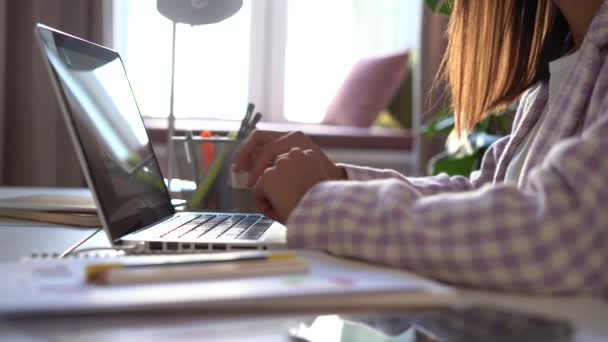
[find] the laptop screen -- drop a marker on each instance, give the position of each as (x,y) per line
(109,130)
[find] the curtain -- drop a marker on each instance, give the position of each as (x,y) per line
(35,149)
(432,92)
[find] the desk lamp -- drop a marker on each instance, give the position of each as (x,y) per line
(193,12)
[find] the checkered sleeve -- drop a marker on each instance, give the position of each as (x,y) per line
(549,236)
(439,183)
(443,183)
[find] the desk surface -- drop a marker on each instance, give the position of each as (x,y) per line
(20,238)
(27,237)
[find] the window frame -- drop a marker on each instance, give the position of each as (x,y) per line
(267,58)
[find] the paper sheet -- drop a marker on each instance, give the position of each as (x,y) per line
(58,286)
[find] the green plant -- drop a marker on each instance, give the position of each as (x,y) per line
(439,6)
(462,155)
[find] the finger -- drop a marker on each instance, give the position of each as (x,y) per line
(296,152)
(309,152)
(255,154)
(258,191)
(267,210)
(273,215)
(270,151)
(282,161)
(262,197)
(281,157)
(243,157)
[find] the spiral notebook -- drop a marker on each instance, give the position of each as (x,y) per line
(46,287)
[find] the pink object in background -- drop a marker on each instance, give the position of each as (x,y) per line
(367,90)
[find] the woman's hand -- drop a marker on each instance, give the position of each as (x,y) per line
(260,149)
(281,186)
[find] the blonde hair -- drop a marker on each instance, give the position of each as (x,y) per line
(496,50)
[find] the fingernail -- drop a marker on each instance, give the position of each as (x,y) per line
(239,180)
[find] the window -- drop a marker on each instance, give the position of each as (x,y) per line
(289,57)
(212,62)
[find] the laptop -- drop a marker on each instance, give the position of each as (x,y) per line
(120,166)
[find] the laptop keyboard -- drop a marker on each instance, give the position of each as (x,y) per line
(217,227)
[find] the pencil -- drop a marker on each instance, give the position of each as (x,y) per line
(113,274)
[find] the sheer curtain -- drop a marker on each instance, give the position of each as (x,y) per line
(35,148)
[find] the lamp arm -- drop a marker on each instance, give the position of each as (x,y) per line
(193,12)
(171,118)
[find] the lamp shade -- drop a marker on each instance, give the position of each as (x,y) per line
(198,12)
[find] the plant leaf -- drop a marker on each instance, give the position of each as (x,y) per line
(439,6)
(439,126)
(482,140)
(454,166)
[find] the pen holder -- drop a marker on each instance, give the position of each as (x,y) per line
(204,176)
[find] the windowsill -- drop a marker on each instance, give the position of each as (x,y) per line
(326,136)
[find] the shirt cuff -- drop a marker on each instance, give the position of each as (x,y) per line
(331,214)
(363,173)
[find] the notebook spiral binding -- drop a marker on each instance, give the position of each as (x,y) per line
(101,254)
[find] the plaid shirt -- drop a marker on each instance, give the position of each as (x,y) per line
(547,234)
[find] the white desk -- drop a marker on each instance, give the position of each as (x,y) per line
(19,239)
(22,238)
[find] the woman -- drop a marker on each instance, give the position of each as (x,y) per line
(533,219)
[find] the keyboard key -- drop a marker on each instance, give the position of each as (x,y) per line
(205,227)
(212,222)
(256,230)
(247,222)
(181,230)
(203,218)
(221,228)
(166,227)
(229,235)
(266,221)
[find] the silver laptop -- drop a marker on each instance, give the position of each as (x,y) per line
(119,164)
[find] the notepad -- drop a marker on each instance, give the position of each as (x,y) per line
(57,217)
(73,210)
(83,204)
(65,209)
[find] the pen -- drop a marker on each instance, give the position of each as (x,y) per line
(121,274)
(245,121)
(191,155)
(93,269)
(251,125)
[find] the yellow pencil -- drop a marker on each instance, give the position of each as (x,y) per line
(252,265)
